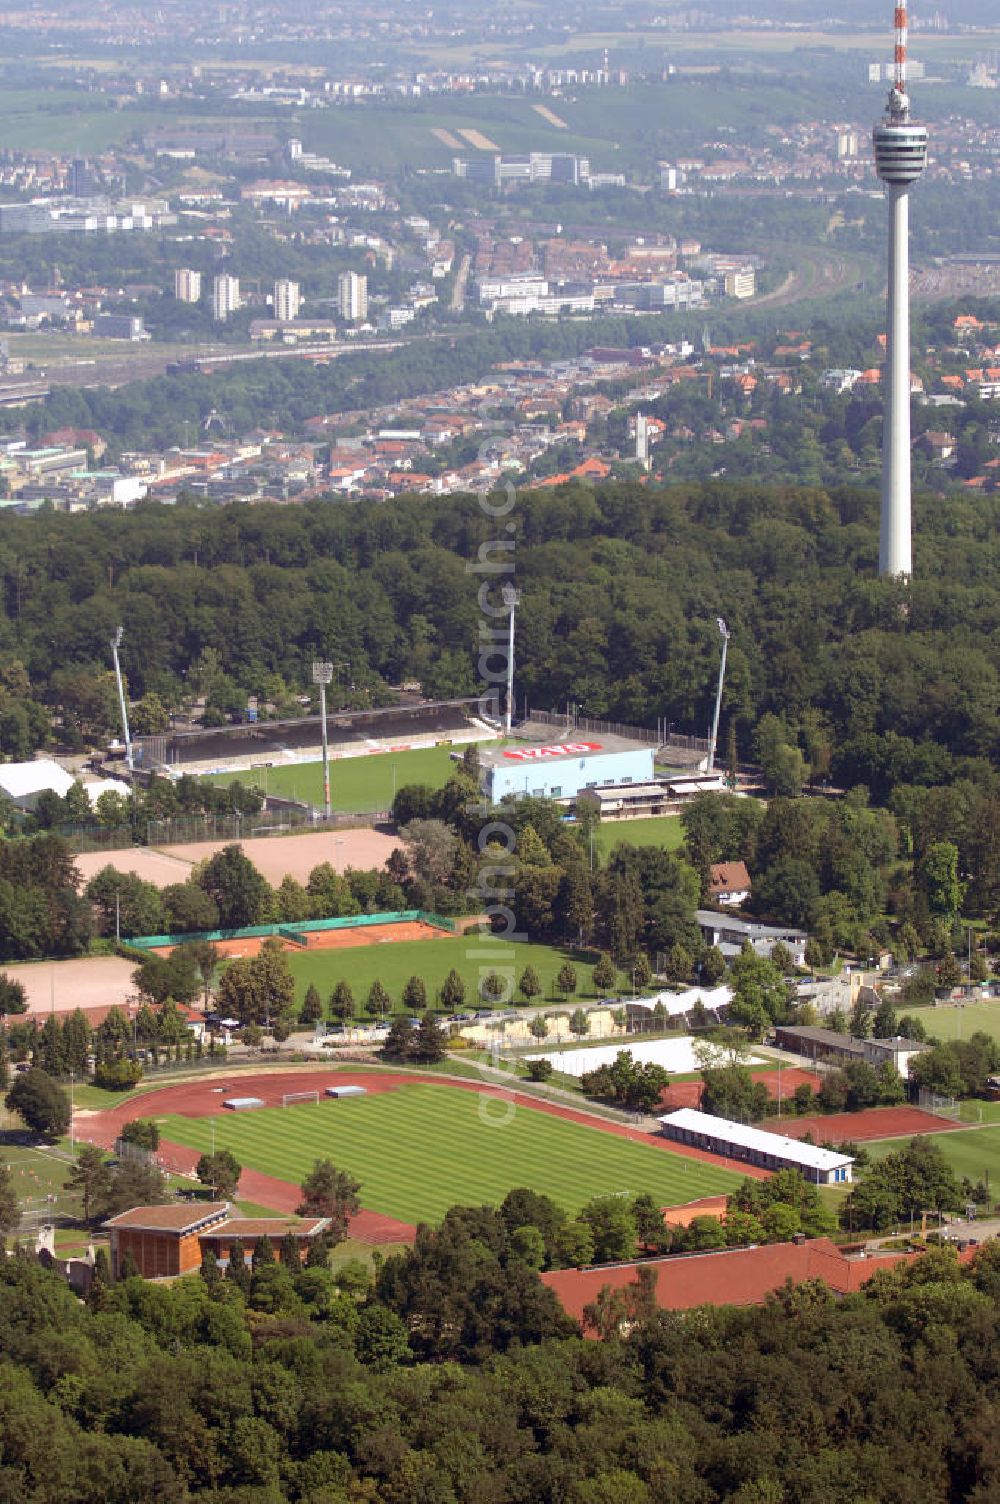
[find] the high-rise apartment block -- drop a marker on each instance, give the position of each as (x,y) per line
(187,285)
(287,300)
(225,297)
(352,290)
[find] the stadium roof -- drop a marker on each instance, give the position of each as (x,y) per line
(758,1140)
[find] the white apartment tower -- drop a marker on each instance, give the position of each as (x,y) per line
(225,296)
(900,157)
(352,290)
(187,285)
(287,300)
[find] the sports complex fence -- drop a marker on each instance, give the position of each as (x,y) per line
(297,930)
(180,830)
(662,736)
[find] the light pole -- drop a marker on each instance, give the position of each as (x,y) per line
(71,1083)
(322,674)
(116,643)
(724,630)
(511,599)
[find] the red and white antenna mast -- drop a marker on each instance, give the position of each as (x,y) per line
(899,100)
(899,72)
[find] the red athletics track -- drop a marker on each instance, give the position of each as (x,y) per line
(873,1123)
(204,1097)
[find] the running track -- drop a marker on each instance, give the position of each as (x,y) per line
(204,1098)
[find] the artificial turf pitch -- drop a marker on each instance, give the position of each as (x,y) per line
(418,1150)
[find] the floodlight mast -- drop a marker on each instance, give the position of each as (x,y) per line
(322,674)
(116,643)
(511,599)
(725,634)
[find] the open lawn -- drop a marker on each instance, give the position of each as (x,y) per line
(661,830)
(356,783)
(420,1149)
(974,1152)
(471,956)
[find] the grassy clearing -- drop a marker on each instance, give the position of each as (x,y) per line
(471,956)
(660,830)
(356,783)
(421,1149)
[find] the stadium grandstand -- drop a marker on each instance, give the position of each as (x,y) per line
(395,728)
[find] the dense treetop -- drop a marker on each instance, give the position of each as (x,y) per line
(620,590)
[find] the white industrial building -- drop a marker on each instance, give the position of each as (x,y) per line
(562,770)
(755,1146)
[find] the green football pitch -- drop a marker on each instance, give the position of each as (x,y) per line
(470,955)
(958,1022)
(974,1152)
(421,1149)
(356,783)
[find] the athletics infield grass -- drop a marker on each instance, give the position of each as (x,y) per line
(418,1150)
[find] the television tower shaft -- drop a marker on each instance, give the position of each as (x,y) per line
(900,146)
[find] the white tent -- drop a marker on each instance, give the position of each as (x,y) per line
(23,782)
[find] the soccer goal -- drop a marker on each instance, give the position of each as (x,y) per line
(295,1098)
(940,1106)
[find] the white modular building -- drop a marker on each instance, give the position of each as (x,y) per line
(755,1146)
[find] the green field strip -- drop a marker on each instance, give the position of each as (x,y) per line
(419,1150)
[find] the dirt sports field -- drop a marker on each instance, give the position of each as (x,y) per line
(273,856)
(876,1122)
(88,982)
(365,934)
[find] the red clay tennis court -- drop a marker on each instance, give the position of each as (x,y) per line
(342,939)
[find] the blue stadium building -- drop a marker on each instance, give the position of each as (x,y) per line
(565,767)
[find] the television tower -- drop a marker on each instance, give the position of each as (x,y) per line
(900,157)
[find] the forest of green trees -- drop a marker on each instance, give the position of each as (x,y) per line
(455,1377)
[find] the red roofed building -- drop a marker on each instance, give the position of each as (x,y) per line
(727,1277)
(729,882)
(166,1241)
